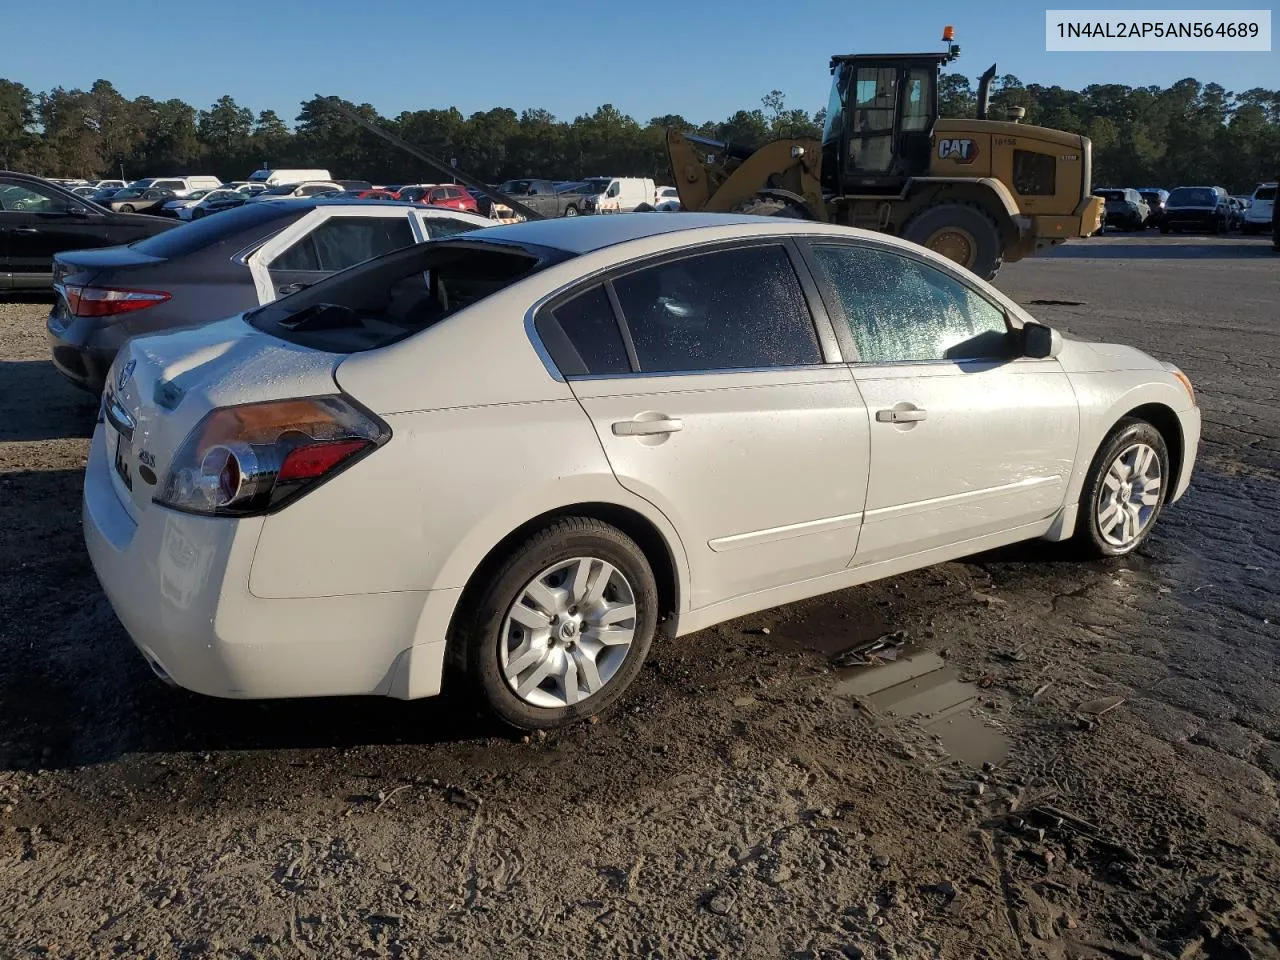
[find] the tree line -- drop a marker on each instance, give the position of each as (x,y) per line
(1189,133)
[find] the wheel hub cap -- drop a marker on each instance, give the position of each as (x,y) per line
(954,244)
(1129,495)
(568,632)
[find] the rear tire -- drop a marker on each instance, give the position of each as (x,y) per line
(492,642)
(961,232)
(1129,469)
(571,211)
(126,208)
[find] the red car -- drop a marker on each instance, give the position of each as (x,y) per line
(439,195)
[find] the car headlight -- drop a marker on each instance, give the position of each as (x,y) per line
(1183,379)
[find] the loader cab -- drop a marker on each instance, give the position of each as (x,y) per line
(880,118)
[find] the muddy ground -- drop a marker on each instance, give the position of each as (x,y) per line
(749,799)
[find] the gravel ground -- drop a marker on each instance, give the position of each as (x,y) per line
(749,799)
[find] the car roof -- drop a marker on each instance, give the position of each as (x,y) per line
(585,234)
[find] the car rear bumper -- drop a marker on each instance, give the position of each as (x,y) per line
(82,350)
(1193,221)
(180,586)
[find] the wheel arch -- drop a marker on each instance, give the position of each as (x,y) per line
(665,558)
(1166,422)
(986,192)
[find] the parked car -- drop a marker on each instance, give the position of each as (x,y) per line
(140,200)
(666,198)
(215,267)
(1124,208)
(104,184)
(1155,197)
(179,186)
(341,491)
(243,186)
(485,206)
(39,219)
(440,195)
(1235,213)
(619,194)
(1258,217)
(103,194)
(274,178)
(84,190)
(219,205)
(184,208)
(372,194)
(290,191)
(541,197)
(1200,209)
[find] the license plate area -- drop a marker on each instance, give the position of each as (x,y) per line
(122,463)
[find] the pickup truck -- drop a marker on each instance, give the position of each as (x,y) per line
(541,196)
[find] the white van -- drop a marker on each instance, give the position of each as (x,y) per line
(1258,217)
(274,178)
(619,194)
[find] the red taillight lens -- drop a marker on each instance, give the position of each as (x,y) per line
(254,458)
(86,301)
(316,459)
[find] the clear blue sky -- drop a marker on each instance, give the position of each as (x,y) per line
(700,59)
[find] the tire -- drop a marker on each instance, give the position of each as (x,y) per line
(126,208)
(975,233)
(1093,536)
(769,207)
(571,211)
(487,639)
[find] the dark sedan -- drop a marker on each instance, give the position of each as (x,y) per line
(39,219)
(140,200)
(217,267)
(220,206)
(1197,209)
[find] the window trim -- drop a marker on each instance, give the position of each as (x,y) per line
(835,306)
(823,328)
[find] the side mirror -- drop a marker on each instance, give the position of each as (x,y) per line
(1040,342)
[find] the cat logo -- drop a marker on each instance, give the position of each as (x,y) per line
(961,151)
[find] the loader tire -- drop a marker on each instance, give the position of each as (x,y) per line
(769,207)
(961,232)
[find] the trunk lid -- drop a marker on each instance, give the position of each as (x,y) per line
(160,387)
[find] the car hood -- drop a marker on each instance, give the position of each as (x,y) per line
(1079,357)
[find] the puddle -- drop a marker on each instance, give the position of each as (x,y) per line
(921,688)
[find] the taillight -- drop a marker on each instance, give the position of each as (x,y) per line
(109,301)
(257,457)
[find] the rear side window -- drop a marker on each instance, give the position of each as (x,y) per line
(582,336)
(730,309)
(342,242)
(440,227)
(899,309)
(1265,193)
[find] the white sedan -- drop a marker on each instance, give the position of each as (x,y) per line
(528,450)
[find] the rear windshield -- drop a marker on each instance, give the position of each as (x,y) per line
(1264,193)
(1192,197)
(399,294)
(1110,194)
(203,233)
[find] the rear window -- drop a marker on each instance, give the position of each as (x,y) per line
(399,294)
(231,225)
(1192,197)
(1264,193)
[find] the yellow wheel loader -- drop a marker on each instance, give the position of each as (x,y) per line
(977,191)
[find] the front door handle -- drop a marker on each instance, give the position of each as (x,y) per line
(647,428)
(25,230)
(900,416)
(288,288)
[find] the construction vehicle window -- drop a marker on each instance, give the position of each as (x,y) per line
(726,310)
(917,110)
(874,94)
(1034,174)
(582,336)
(899,309)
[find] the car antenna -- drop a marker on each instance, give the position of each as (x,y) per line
(439,165)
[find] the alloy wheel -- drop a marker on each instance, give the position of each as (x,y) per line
(1129,495)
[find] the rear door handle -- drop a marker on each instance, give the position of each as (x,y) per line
(900,416)
(647,428)
(25,230)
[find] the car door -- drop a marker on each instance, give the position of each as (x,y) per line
(968,437)
(719,399)
(326,240)
(35,223)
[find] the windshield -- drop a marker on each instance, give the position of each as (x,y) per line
(515,186)
(598,185)
(1192,197)
(1265,193)
(234,225)
(197,194)
(1109,194)
(397,295)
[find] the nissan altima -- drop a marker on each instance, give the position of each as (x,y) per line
(526,452)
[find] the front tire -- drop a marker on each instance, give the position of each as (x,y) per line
(127,208)
(1124,491)
(571,211)
(961,232)
(562,627)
